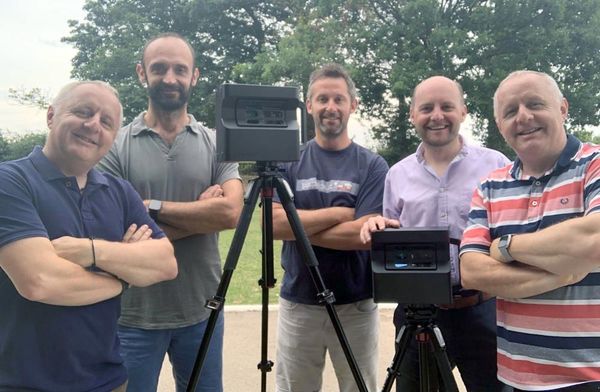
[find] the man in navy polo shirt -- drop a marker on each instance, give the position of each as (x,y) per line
(70,243)
(337,186)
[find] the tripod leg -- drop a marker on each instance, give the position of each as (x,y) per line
(309,257)
(425,376)
(441,358)
(216,303)
(267,280)
(403,339)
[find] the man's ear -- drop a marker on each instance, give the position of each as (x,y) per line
(353,105)
(564,108)
(463,113)
(50,116)
(308,106)
(139,70)
(195,76)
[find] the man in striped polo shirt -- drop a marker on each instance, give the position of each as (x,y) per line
(533,240)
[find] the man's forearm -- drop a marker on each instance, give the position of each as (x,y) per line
(200,216)
(565,248)
(313,221)
(40,275)
(82,289)
(481,272)
(173,233)
(217,208)
(344,236)
(140,263)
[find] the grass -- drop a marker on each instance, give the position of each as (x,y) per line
(244,288)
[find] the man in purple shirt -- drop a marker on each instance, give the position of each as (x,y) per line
(433,187)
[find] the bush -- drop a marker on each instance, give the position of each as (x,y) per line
(17,146)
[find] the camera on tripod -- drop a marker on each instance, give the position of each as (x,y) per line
(411,265)
(259,123)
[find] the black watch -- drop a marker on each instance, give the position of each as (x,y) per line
(503,245)
(154,208)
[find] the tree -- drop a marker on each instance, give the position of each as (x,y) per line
(4,148)
(390,46)
(33,97)
(18,146)
(222,32)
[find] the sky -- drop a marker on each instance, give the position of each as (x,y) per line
(30,34)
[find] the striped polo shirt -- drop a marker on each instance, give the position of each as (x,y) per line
(551,340)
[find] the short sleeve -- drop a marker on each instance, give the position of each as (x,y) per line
(19,217)
(370,195)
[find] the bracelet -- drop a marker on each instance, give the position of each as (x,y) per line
(93,265)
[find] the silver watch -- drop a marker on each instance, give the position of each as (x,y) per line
(503,245)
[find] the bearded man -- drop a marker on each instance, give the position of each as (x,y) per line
(170,160)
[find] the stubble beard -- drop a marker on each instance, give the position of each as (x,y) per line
(157,95)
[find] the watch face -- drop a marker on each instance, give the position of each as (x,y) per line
(154,205)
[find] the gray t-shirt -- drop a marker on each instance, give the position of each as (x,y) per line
(180,172)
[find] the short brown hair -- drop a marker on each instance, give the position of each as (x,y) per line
(332,70)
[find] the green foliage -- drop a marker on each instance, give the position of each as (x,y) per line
(17,146)
(223,32)
(244,288)
(4,148)
(388,46)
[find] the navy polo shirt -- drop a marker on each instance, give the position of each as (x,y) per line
(58,348)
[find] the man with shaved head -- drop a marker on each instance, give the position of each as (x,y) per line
(532,240)
(433,187)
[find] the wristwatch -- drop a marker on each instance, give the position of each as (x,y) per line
(503,245)
(154,208)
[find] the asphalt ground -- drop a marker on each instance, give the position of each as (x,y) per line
(242,351)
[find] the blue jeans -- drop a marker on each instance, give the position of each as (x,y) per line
(144,350)
(470,337)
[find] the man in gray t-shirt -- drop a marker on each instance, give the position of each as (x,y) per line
(170,160)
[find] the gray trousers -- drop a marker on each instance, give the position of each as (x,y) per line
(305,334)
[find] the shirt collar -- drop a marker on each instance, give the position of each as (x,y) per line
(138,125)
(566,156)
(50,172)
(464,151)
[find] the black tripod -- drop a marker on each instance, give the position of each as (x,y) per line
(268,178)
(420,325)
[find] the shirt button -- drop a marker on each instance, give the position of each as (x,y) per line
(534,203)
(537,183)
(443,214)
(68,184)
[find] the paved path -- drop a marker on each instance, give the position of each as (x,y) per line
(242,351)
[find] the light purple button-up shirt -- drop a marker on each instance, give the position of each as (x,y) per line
(417,197)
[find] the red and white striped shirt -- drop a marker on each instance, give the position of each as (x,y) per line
(551,340)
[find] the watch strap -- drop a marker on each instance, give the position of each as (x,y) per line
(503,245)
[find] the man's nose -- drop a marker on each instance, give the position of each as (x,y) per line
(93,122)
(523,114)
(330,106)
(169,77)
(437,114)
